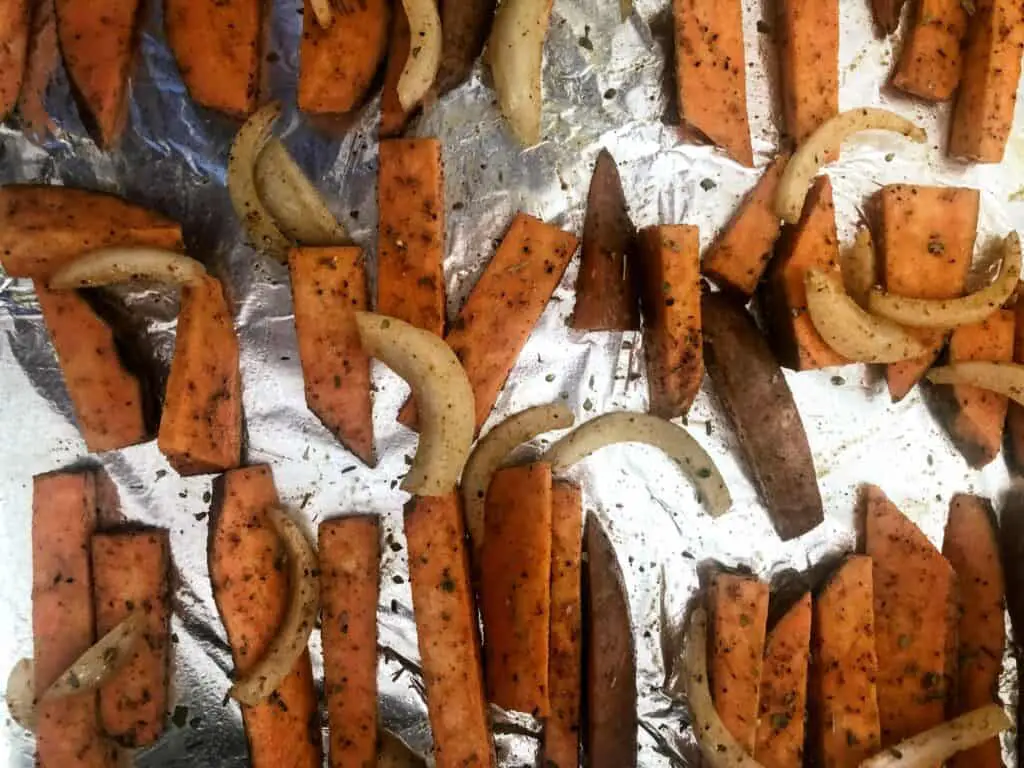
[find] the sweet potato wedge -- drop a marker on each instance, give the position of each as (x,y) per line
(811,242)
(609,656)
(971,546)
(809,65)
(738,608)
(671,289)
(337,66)
(217,47)
(14,29)
(449,642)
(328,285)
(201,426)
(983,115)
(757,401)
(41,60)
(515,588)
(98,49)
(739,254)
(781,715)
(410,234)
(844,699)
(925,240)
(975,417)
(63,620)
(1015,413)
(562,728)
(130,573)
(505,304)
(112,404)
(711,73)
(393,116)
(43,227)
(606,294)
(929,65)
(465,25)
(349,585)
(914,586)
(251,592)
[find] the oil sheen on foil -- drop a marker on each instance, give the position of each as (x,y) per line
(605,85)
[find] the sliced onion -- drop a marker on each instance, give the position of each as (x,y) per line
(303,607)
(248,144)
(322,12)
(851,331)
(940,743)
(1002,378)
(109,266)
(443,394)
(516,52)
(804,165)
(859,268)
(490,452)
(629,427)
(98,664)
(424,52)
(948,313)
(719,746)
(392,752)
(295,205)
(21,694)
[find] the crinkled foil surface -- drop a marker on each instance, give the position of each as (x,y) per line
(605,85)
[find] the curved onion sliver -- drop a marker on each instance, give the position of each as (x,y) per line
(859,268)
(424,52)
(20,694)
(1002,378)
(110,266)
(515,51)
(100,662)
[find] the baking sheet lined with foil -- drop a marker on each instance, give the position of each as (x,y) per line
(605,85)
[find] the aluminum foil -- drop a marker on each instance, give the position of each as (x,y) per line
(605,85)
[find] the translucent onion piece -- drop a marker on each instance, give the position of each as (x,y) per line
(938,744)
(515,52)
(109,266)
(1002,378)
(443,394)
(949,313)
(101,661)
(424,52)
(629,427)
(804,165)
(851,331)
(859,268)
(303,608)
(20,694)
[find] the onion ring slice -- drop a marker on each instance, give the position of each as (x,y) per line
(1002,378)
(110,266)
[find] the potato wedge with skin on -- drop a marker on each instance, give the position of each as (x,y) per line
(14,33)
(748,382)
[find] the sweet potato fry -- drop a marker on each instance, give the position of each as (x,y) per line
(515,588)
(130,573)
(610,739)
(201,426)
(410,234)
(809,65)
(844,700)
(985,103)
(738,607)
(43,227)
(337,66)
(393,116)
(98,49)
(711,73)
(971,546)
(14,28)
(606,295)
(783,699)
(929,65)
(812,242)
(738,256)
(505,304)
(914,586)
(925,241)
(63,623)
(349,585)
(465,25)
(671,290)
(217,47)
(975,417)
(562,728)
(757,401)
(328,284)
(1015,414)
(112,405)
(251,592)
(446,625)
